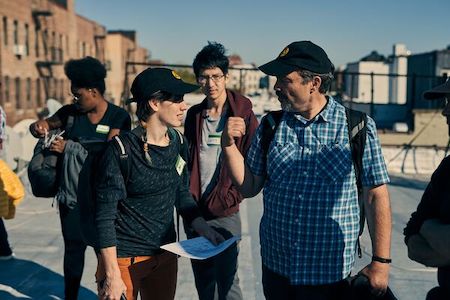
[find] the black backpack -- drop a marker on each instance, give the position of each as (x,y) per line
(357,131)
(45,166)
(86,194)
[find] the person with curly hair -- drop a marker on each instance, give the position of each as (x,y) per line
(89,118)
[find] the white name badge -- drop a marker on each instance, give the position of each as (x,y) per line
(102,129)
(213,139)
(180,165)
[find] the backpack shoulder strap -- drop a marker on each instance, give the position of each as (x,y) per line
(184,154)
(123,148)
(183,145)
(269,125)
(69,125)
(357,132)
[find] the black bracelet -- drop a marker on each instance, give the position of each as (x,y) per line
(381,259)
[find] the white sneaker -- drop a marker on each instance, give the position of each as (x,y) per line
(7,257)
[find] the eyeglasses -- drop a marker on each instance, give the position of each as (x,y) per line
(77,97)
(204,79)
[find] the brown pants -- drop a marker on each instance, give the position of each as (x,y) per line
(154,277)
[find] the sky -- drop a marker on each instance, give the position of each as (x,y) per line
(175,30)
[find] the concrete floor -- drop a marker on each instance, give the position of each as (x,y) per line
(37,241)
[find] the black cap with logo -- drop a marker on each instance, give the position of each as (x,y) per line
(438,91)
(303,55)
(152,80)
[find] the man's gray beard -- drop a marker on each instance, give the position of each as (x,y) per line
(286,106)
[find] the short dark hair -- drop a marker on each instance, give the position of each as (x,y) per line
(143,109)
(326,78)
(211,56)
(86,72)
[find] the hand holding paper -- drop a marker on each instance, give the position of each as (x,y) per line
(198,248)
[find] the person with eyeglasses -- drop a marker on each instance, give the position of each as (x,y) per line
(94,119)
(210,184)
(427,233)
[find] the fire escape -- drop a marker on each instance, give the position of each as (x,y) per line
(52,55)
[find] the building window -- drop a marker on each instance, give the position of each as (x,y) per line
(83,49)
(49,88)
(38,92)
(55,88)
(27,42)
(5,31)
(16,33)
(61,48)
(18,94)
(28,92)
(53,47)
(36,40)
(45,42)
(67,44)
(6,89)
(61,90)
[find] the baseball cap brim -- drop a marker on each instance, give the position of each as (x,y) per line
(177,87)
(438,92)
(277,67)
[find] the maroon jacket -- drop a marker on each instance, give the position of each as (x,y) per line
(223,199)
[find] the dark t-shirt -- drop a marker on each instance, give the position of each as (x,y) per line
(435,202)
(137,216)
(82,128)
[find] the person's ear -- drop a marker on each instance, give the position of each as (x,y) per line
(94,92)
(316,83)
(154,104)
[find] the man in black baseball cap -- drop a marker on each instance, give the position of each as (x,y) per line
(299,55)
(310,226)
(426,233)
(301,62)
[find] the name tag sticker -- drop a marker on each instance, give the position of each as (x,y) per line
(180,165)
(102,129)
(213,140)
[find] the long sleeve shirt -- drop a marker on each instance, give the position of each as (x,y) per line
(137,216)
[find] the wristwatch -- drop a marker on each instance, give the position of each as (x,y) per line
(381,259)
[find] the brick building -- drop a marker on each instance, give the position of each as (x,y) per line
(122,47)
(36,38)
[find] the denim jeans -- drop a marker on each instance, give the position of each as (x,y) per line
(217,277)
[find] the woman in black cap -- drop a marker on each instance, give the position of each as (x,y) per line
(135,210)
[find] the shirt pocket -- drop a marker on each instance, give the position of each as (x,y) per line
(281,159)
(334,162)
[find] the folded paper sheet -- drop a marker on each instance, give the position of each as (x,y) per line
(198,248)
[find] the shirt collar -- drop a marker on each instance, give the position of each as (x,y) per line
(323,116)
(329,109)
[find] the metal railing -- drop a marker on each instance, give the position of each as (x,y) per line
(388,98)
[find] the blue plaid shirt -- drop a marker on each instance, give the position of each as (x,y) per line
(310,224)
